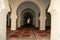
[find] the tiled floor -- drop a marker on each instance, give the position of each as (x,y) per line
(27,33)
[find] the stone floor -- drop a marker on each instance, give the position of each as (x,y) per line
(28,33)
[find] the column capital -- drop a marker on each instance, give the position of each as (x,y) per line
(43,17)
(54,11)
(54,7)
(13,15)
(4,11)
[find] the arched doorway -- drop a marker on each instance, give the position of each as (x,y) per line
(28,15)
(29,6)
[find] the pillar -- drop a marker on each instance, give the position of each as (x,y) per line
(18,21)
(3,16)
(54,9)
(42,20)
(55,25)
(13,20)
(4,9)
(36,19)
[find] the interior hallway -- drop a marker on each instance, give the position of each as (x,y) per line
(54,9)
(28,32)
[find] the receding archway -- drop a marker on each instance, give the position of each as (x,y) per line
(26,5)
(28,14)
(28,18)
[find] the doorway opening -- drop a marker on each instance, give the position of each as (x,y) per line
(28,18)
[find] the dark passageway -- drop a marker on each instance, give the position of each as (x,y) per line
(28,18)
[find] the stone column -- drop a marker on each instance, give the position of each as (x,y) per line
(37,20)
(42,20)
(18,21)
(55,25)
(3,15)
(54,9)
(13,20)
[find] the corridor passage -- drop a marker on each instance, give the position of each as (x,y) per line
(27,32)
